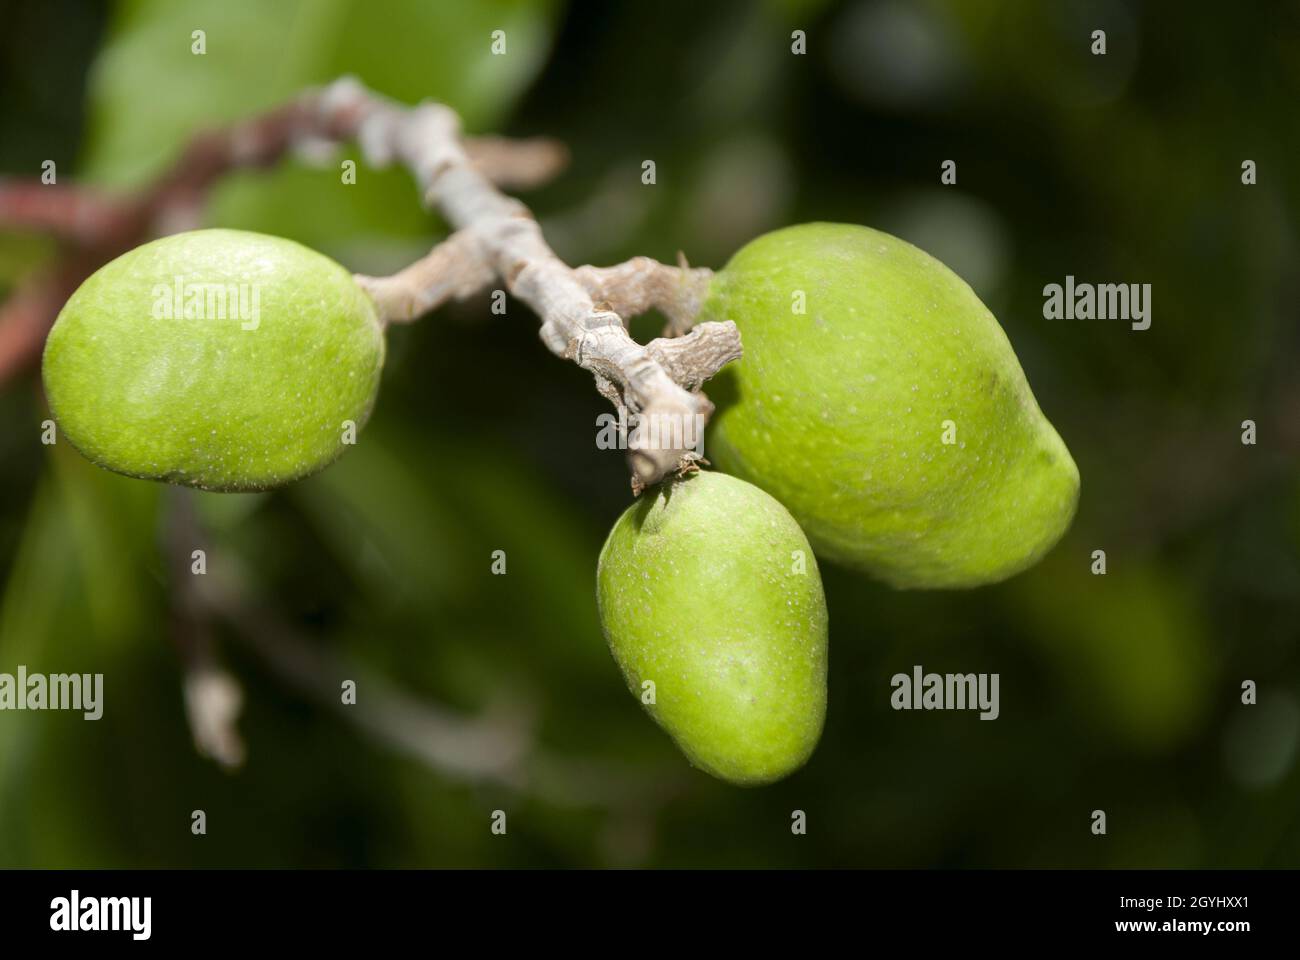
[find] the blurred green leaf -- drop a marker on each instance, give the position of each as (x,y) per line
(74,602)
(1129,645)
(150,94)
(20,253)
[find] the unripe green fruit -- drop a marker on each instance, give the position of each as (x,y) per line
(891,417)
(218,359)
(709,590)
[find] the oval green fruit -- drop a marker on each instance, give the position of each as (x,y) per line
(708,589)
(217,359)
(890,416)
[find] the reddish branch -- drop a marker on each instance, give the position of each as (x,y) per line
(96,228)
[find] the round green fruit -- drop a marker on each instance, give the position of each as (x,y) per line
(217,359)
(710,599)
(890,415)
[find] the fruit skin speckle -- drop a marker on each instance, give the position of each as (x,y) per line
(842,420)
(246,387)
(700,591)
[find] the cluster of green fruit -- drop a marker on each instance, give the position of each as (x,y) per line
(878,418)
(890,423)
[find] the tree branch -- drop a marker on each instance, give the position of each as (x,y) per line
(497,237)
(78,214)
(642,284)
(213,697)
(454,269)
(497,746)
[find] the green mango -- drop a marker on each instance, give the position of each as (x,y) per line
(709,590)
(890,416)
(217,359)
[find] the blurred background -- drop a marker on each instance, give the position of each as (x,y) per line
(1120,692)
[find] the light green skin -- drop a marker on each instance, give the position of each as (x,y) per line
(242,403)
(698,592)
(840,412)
